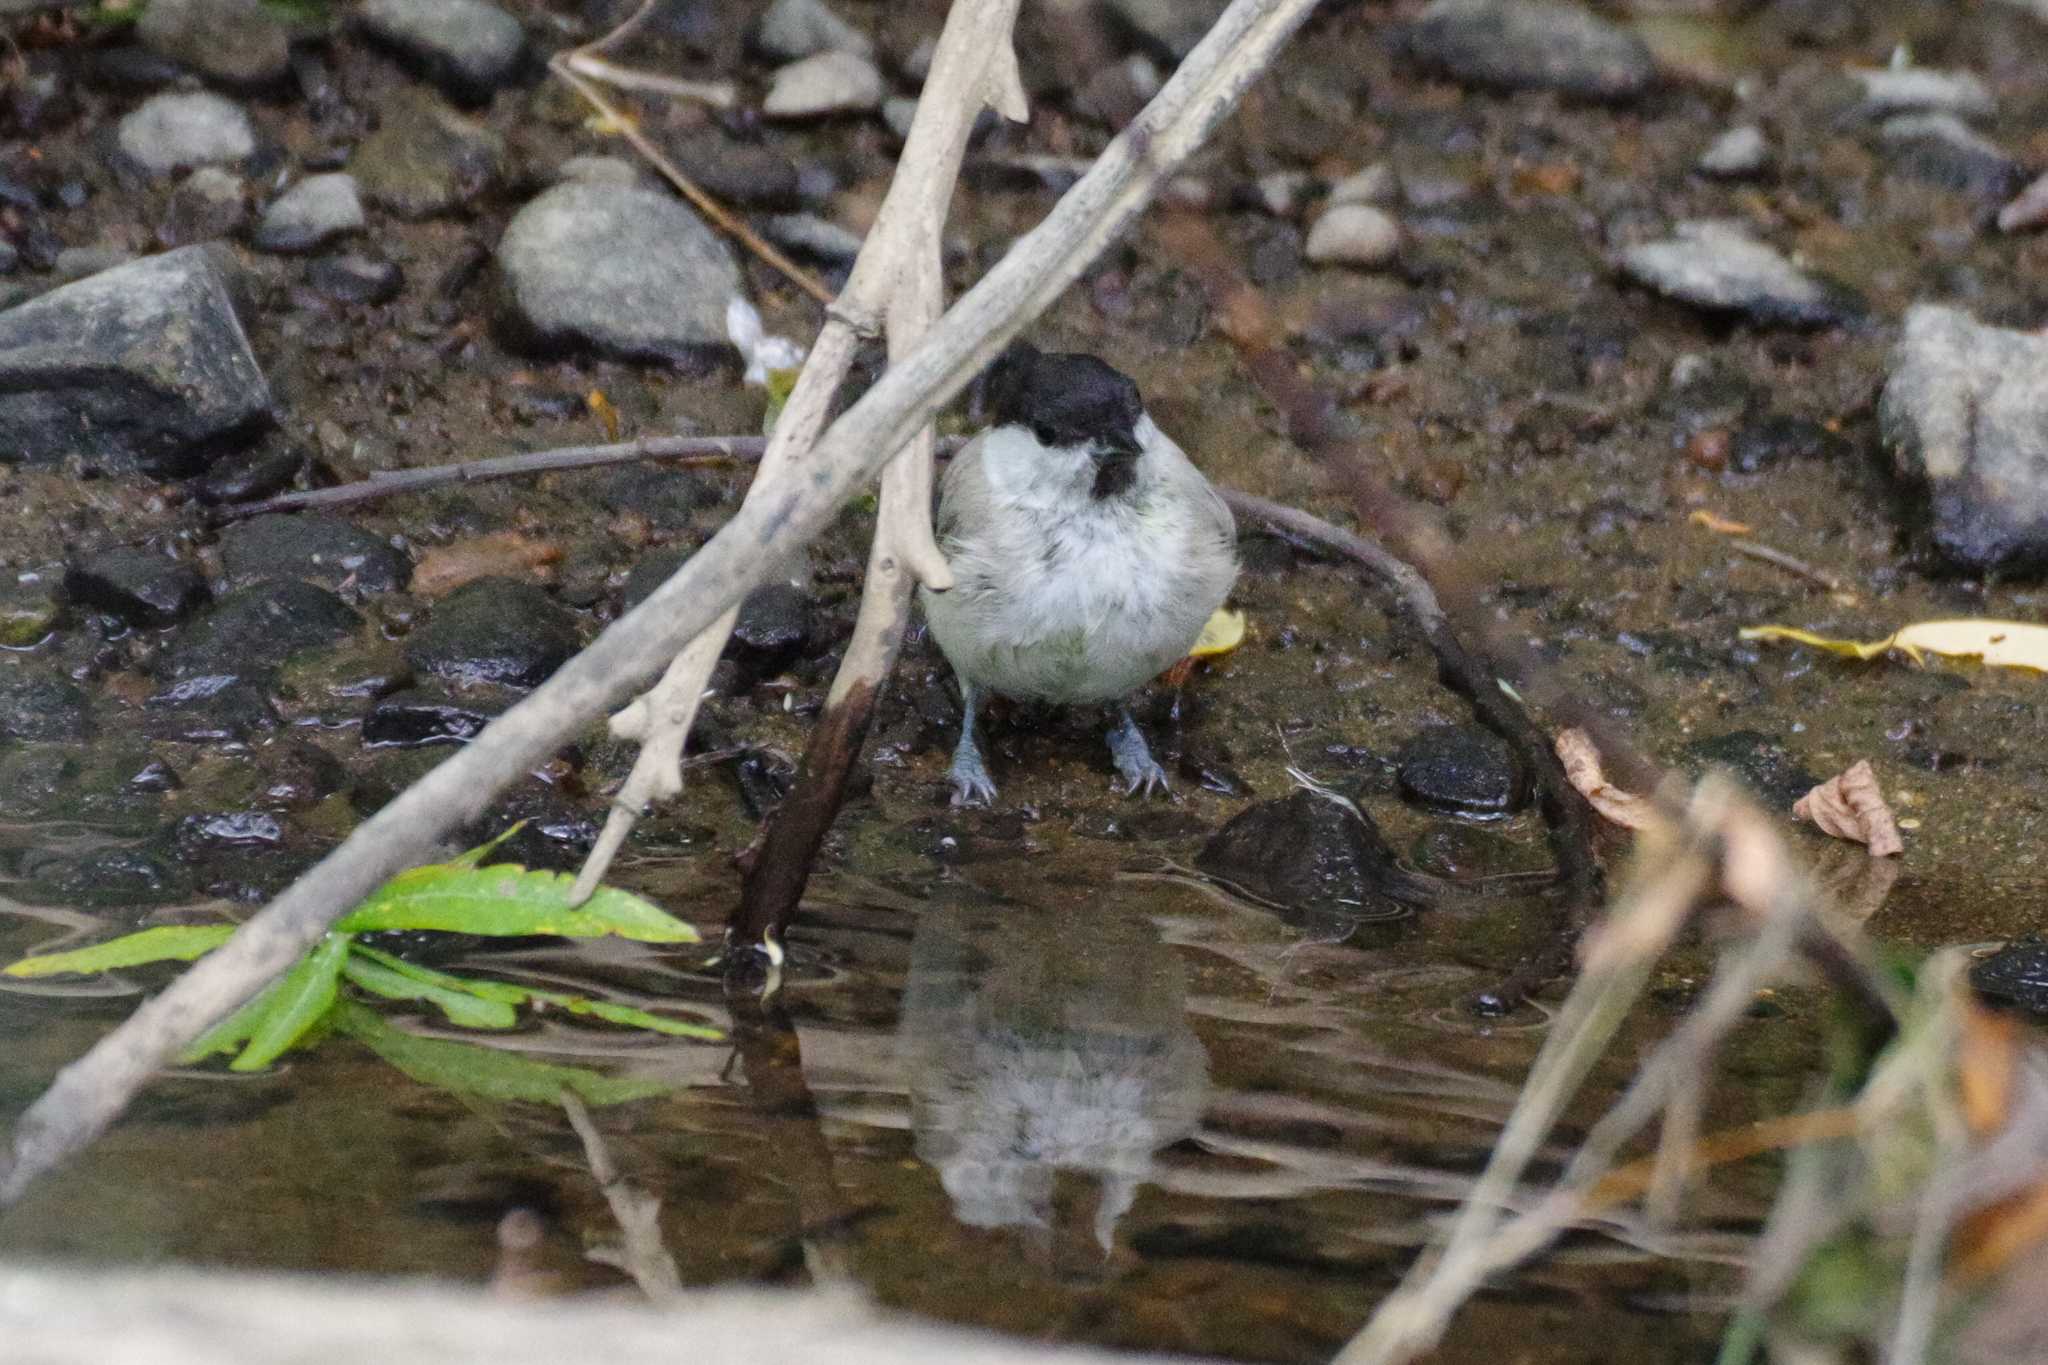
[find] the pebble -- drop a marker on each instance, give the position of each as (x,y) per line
(1461,769)
(1531,45)
(598,170)
(306,545)
(176,131)
(250,632)
(1171,27)
(1354,234)
(142,367)
(495,630)
(420,716)
(241,43)
(142,587)
(1771,440)
(2016,975)
(311,214)
(249,475)
(1741,153)
(28,613)
(1943,150)
(39,705)
(467,47)
(2028,210)
(208,204)
(356,277)
(1719,267)
(626,271)
(1376,185)
(1306,852)
(80,262)
(1965,412)
(425,159)
(829,83)
(807,234)
(773,626)
(790,30)
(1922,90)
(749,173)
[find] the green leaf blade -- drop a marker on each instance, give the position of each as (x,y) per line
(509,901)
(305,993)
(167,943)
(629,1016)
(461,1008)
(476,1070)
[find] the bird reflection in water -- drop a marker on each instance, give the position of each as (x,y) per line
(1039,1041)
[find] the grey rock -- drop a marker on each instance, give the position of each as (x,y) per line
(1307,852)
(627,271)
(1922,90)
(323,550)
(208,204)
(598,170)
(1462,769)
(250,474)
(175,131)
(737,172)
(311,214)
(1377,184)
(829,83)
(238,42)
(793,29)
(773,625)
(809,235)
(28,613)
(356,277)
(1354,234)
(495,630)
(1172,27)
(425,159)
(1741,153)
(1943,150)
(249,633)
(1531,45)
(143,367)
(81,262)
(140,586)
(2029,208)
(39,704)
(1719,267)
(467,47)
(897,112)
(1965,411)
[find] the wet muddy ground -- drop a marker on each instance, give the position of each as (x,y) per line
(1255,1117)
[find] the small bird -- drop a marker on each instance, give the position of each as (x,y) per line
(1087,554)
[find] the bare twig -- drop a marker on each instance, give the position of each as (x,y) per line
(640,1253)
(1789,563)
(87,1095)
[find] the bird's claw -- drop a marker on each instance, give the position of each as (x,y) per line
(973,791)
(1149,780)
(1133,759)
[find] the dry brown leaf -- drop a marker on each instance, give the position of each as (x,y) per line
(1719,524)
(445,568)
(1850,806)
(1581,759)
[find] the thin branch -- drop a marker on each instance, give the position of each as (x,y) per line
(1789,563)
(87,1095)
(641,1252)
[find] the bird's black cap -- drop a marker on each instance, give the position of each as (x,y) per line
(1065,398)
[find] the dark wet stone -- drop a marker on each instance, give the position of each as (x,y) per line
(208,204)
(250,475)
(655,568)
(668,498)
(228,829)
(1773,439)
(241,43)
(177,131)
(253,630)
(2016,975)
(130,69)
(1965,413)
(320,549)
(417,717)
(736,172)
(1765,764)
(1307,852)
(105,876)
(425,159)
(311,214)
(209,709)
(38,100)
(812,237)
(39,704)
(140,586)
(495,630)
(1462,769)
(1462,853)
(1170,27)
(628,272)
(356,277)
(764,779)
(1721,268)
(144,367)
(1943,150)
(28,613)
(1530,45)
(773,626)
(467,47)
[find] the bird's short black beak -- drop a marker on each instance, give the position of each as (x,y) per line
(1121,446)
(1116,459)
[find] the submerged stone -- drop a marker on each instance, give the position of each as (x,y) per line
(1307,852)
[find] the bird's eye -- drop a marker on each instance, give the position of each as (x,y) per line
(1045,434)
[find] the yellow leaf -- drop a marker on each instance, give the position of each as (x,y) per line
(1720,525)
(601,407)
(2005,644)
(1223,633)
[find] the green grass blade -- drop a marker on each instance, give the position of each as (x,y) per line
(474,1070)
(460,1007)
(509,900)
(469,985)
(475,857)
(233,1031)
(307,991)
(627,1015)
(167,943)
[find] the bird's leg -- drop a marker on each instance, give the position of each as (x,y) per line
(1133,757)
(969,775)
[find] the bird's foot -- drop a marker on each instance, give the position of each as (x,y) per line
(972,785)
(1133,758)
